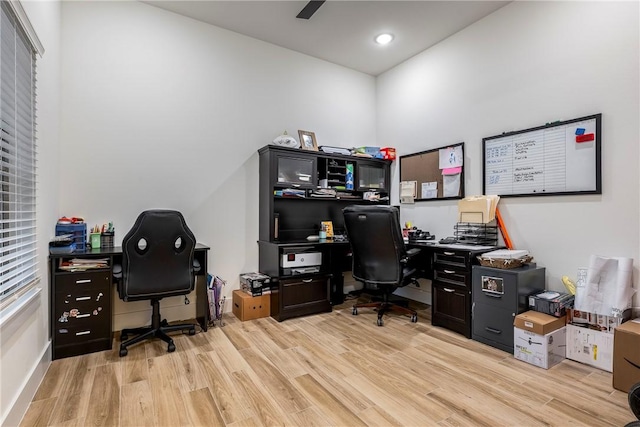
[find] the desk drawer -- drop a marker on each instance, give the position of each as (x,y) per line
(82,307)
(451,276)
(450,258)
(494,291)
(304,291)
(83,280)
(300,296)
(70,333)
(493,326)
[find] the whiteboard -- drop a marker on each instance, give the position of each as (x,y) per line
(557,158)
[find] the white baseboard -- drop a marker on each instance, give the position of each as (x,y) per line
(29,389)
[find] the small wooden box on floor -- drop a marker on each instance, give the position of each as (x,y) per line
(247,307)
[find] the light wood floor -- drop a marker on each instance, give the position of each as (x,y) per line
(333,369)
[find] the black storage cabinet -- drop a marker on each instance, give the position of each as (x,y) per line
(498,296)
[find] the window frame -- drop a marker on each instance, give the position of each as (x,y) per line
(19,273)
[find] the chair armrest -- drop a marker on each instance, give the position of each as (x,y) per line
(413,252)
(117,271)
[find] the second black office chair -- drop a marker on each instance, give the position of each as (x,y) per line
(380,259)
(157,262)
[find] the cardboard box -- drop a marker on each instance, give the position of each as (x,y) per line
(544,351)
(254,281)
(590,347)
(538,323)
(597,322)
(626,356)
(247,307)
(553,303)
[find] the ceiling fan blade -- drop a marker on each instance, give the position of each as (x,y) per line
(311,7)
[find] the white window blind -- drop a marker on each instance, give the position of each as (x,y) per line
(18,256)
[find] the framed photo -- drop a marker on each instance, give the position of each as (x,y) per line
(308,140)
(492,285)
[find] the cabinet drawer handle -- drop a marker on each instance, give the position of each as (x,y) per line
(295,185)
(495,331)
(449,271)
(449,253)
(307,280)
(448,290)
(80,316)
(83,281)
(83,298)
(83,333)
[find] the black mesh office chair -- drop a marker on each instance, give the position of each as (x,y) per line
(157,262)
(634,404)
(380,259)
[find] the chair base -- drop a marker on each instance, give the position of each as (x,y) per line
(383,307)
(158,329)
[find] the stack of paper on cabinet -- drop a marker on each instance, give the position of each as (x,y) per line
(506,254)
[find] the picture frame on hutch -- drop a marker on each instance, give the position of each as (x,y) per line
(308,140)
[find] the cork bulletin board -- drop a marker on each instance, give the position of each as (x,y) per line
(438,173)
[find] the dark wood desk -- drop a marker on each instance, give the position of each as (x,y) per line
(449,267)
(81,306)
(303,294)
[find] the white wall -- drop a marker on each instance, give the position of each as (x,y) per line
(24,340)
(527,64)
(162,111)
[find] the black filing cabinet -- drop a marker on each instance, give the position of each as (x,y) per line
(498,296)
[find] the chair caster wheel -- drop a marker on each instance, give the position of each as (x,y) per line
(123,352)
(164,322)
(124,337)
(414,318)
(380,322)
(192,331)
(354,311)
(171,348)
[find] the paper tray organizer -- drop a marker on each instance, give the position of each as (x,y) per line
(472,233)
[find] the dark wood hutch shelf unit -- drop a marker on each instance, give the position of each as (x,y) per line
(286,221)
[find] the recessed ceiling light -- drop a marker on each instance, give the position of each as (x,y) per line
(384,38)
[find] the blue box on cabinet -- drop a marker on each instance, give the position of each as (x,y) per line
(78,233)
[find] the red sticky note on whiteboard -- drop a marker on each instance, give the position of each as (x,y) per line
(585,137)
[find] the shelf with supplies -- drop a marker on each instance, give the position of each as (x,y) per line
(288,174)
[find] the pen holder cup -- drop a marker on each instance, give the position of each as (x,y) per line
(94,240)
(106,240)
